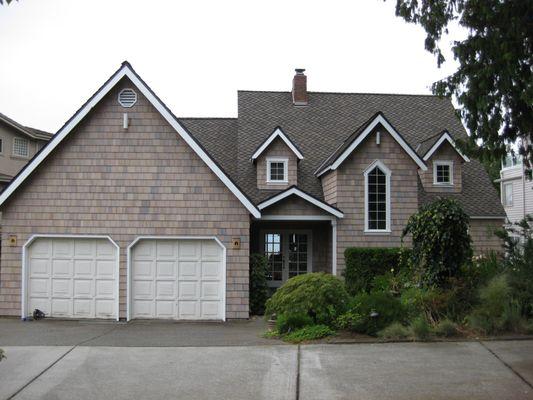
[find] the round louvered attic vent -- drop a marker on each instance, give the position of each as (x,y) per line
(127,98)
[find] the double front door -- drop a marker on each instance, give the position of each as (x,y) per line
(289,254)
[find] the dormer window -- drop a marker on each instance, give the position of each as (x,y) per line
(443,172)
(277,170)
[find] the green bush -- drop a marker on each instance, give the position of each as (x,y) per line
(446,328)
(441,243)
(321,296)
(420,328)
(432,303)
(292,321)
(496,312)
(364,264)
(394,331)
(371,312)
(313,332)
(258,283)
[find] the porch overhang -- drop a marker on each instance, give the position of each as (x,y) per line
(294,191)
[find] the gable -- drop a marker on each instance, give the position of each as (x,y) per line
(277,135)
(127,71)
(377,124)
(104,177)
(444,140)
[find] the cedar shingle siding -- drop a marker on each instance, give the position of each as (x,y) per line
(104,180)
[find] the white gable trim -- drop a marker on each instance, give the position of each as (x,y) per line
(445,136)
(297,192)
(126,70)
(378,120)
(277,133)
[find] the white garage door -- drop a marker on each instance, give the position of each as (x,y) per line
(177,279)
(72,277)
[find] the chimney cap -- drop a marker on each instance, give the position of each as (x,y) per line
(300,71)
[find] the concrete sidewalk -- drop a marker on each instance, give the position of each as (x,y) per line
(14,332)
(467,370)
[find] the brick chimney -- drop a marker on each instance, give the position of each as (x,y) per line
(299,88)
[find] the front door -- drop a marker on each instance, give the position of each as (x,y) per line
(289,254)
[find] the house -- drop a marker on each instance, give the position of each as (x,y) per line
(516,189)
(18,144)
(130,212)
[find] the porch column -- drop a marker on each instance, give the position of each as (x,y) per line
(334,247)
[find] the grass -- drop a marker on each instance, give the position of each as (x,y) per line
(313,332)
(395,331)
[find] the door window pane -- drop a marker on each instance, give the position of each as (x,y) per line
(274,256)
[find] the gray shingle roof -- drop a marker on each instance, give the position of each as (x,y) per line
(322,127)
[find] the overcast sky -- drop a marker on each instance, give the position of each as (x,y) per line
(195,55)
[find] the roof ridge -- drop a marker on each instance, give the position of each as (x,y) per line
(346,93)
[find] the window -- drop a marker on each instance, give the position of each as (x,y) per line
(20,147)
(377,198)
(507,194)
(443,172)
(1,146)
(274,256)
(512,160)
(277,170)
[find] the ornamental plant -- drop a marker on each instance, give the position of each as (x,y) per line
(441,243)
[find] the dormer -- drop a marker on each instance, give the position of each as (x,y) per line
(276,161)
(445,165)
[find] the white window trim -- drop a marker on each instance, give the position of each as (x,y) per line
(387,172)
(442,162)
(285,162)
(504,197)
(28,147)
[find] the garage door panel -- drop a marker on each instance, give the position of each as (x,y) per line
(188,290)
(105,269)
(83,288)
(211,270)
(166,270)
(39,287)
(210,309)
(183,273)
(83,308)
(66,278)
(62,248)
(62,288)
(189,270)
(61,307)
(83,268)
(62,268)
(143,269)
(143,289)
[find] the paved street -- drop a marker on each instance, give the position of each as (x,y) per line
(90,370)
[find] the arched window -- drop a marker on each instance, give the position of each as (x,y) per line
(377,198)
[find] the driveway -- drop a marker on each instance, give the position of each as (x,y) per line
(88,370)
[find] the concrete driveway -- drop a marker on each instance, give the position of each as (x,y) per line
(88,370)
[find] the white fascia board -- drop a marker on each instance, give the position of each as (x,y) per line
(380,120)
(445,136)
(277,133)
(305,196)
(126,71)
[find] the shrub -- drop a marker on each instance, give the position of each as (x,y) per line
(309,333)
(371,312)
(292,321)
(321,296)
(394,331)
(496,311)
(258,283)
(432,303)
(441,243)
(2,354)
(363,264)
(420,328)
(446,328)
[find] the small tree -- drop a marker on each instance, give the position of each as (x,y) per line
(441,243)
(258,283)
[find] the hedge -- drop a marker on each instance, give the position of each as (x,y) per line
(363,264)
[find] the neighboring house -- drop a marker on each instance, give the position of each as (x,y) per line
(516,190)
(131,212)
(18,144)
